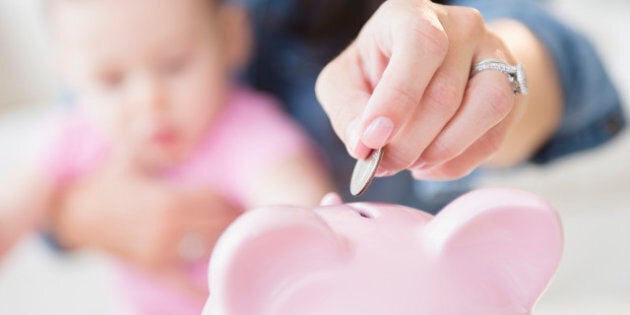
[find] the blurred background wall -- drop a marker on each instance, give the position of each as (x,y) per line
(591,190)
(25,68)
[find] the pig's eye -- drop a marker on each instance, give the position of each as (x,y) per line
(364,214)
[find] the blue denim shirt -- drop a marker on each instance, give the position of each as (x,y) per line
(287,65)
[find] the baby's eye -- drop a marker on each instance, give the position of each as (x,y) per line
(111,80)
(175,65)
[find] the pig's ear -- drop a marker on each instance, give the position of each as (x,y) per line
(331,199)
(498,242)
(265,253)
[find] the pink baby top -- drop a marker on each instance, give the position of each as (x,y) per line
(250,135)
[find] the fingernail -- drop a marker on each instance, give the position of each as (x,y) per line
(378,132)
(421,174)
(380,172)
(420,163)
(349,132)
(352,137)
(416,175)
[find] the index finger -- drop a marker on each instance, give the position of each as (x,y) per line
(343,93)
(417,51)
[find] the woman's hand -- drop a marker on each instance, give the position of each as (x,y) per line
(406,83)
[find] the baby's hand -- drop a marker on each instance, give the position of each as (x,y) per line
(7,235)
(145,222)
(23,206)
(13,225)
(175,226)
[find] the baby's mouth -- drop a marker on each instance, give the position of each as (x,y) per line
(164,137)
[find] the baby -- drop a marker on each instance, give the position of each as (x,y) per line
(154,98)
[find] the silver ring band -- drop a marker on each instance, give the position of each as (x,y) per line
(516,74)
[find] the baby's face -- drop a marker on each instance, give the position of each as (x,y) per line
(151,74)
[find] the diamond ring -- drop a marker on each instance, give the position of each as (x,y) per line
(516,74)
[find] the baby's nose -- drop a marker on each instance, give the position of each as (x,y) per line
(148,95)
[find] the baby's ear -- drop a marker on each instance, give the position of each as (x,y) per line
(264,252)
(498,245)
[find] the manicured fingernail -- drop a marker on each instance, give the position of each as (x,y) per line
(380,172)
(416,175)
(352,136)
(378,132)
(420,163)
(349,132)
(421,174)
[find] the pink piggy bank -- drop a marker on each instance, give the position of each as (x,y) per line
(491,251)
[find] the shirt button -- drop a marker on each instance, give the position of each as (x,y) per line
(613,124)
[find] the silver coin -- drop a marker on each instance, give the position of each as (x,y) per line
(364,172)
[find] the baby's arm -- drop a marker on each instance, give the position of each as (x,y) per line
(24,204)
(28,182)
